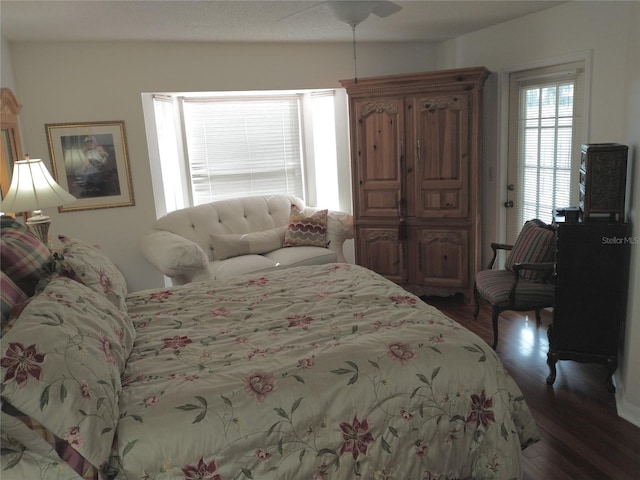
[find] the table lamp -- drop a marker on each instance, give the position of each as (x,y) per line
(33,188)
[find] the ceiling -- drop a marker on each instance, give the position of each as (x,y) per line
(245,21)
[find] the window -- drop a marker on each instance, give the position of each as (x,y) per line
(244,143)
(243,146)
(324,150)
(545,139)
(168,152)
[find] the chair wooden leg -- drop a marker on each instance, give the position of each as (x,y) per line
(476,297)
(494,319)
(538,318)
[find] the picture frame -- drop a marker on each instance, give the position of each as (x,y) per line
(90,161)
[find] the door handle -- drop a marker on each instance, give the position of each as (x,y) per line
(508,204)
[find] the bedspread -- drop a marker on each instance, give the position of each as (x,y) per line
(324,372)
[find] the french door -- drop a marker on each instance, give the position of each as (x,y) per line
(546,129)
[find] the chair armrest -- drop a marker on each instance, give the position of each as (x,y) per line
(518,267)
(495,247)
(339,229)
(533,266)
(176,257)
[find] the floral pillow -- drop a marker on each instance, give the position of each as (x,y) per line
(61,365)
(93,268)
(24,258)
(306,229)
(18,463)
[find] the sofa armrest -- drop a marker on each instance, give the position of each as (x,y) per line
(176,257)
(339,229)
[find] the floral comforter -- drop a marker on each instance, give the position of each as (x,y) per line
(327,372)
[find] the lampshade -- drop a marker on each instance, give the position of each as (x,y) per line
(33,188)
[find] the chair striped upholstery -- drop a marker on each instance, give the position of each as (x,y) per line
(495,285)
(535,244)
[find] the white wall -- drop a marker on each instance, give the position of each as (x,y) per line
(84,82)
(629,395)
(607,34)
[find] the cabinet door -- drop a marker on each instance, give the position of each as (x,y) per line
(379,144)
(591,287)
(441,257)
(441,143)
(379,249)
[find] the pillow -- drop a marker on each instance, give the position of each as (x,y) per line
(61,366)
(10,296)
(93,268)
(30,464)
(24,258)
(255,243)
(306,229)
(534,244)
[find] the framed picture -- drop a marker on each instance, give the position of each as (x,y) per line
(90,161)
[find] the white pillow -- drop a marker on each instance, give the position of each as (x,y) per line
(236,244)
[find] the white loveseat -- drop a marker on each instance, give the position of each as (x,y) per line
(226,238)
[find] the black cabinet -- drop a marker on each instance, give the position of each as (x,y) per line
(592,262)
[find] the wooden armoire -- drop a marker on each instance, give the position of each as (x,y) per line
(416,171)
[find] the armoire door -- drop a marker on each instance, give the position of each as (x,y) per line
(441,142)
(441,256)
(379,249)
(379,130)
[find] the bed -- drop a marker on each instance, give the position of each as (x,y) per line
(319,372)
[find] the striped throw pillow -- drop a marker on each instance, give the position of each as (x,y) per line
(306,229)
(24,257)
(10,296)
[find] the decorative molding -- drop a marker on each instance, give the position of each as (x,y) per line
(447,237)
(382,235)
(389,108)
(9,105)
(439,103)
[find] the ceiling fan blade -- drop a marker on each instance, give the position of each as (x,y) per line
(299,12)
(384,8)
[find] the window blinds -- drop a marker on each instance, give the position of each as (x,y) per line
(546,137)
(243,146)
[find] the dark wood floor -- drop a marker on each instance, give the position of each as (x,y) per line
(583,438)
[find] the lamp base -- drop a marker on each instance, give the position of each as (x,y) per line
(40,228)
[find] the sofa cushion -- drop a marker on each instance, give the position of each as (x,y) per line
(306,229)
(302,256)
(230,267)
(235,244)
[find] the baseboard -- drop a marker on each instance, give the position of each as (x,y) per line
(626,410)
